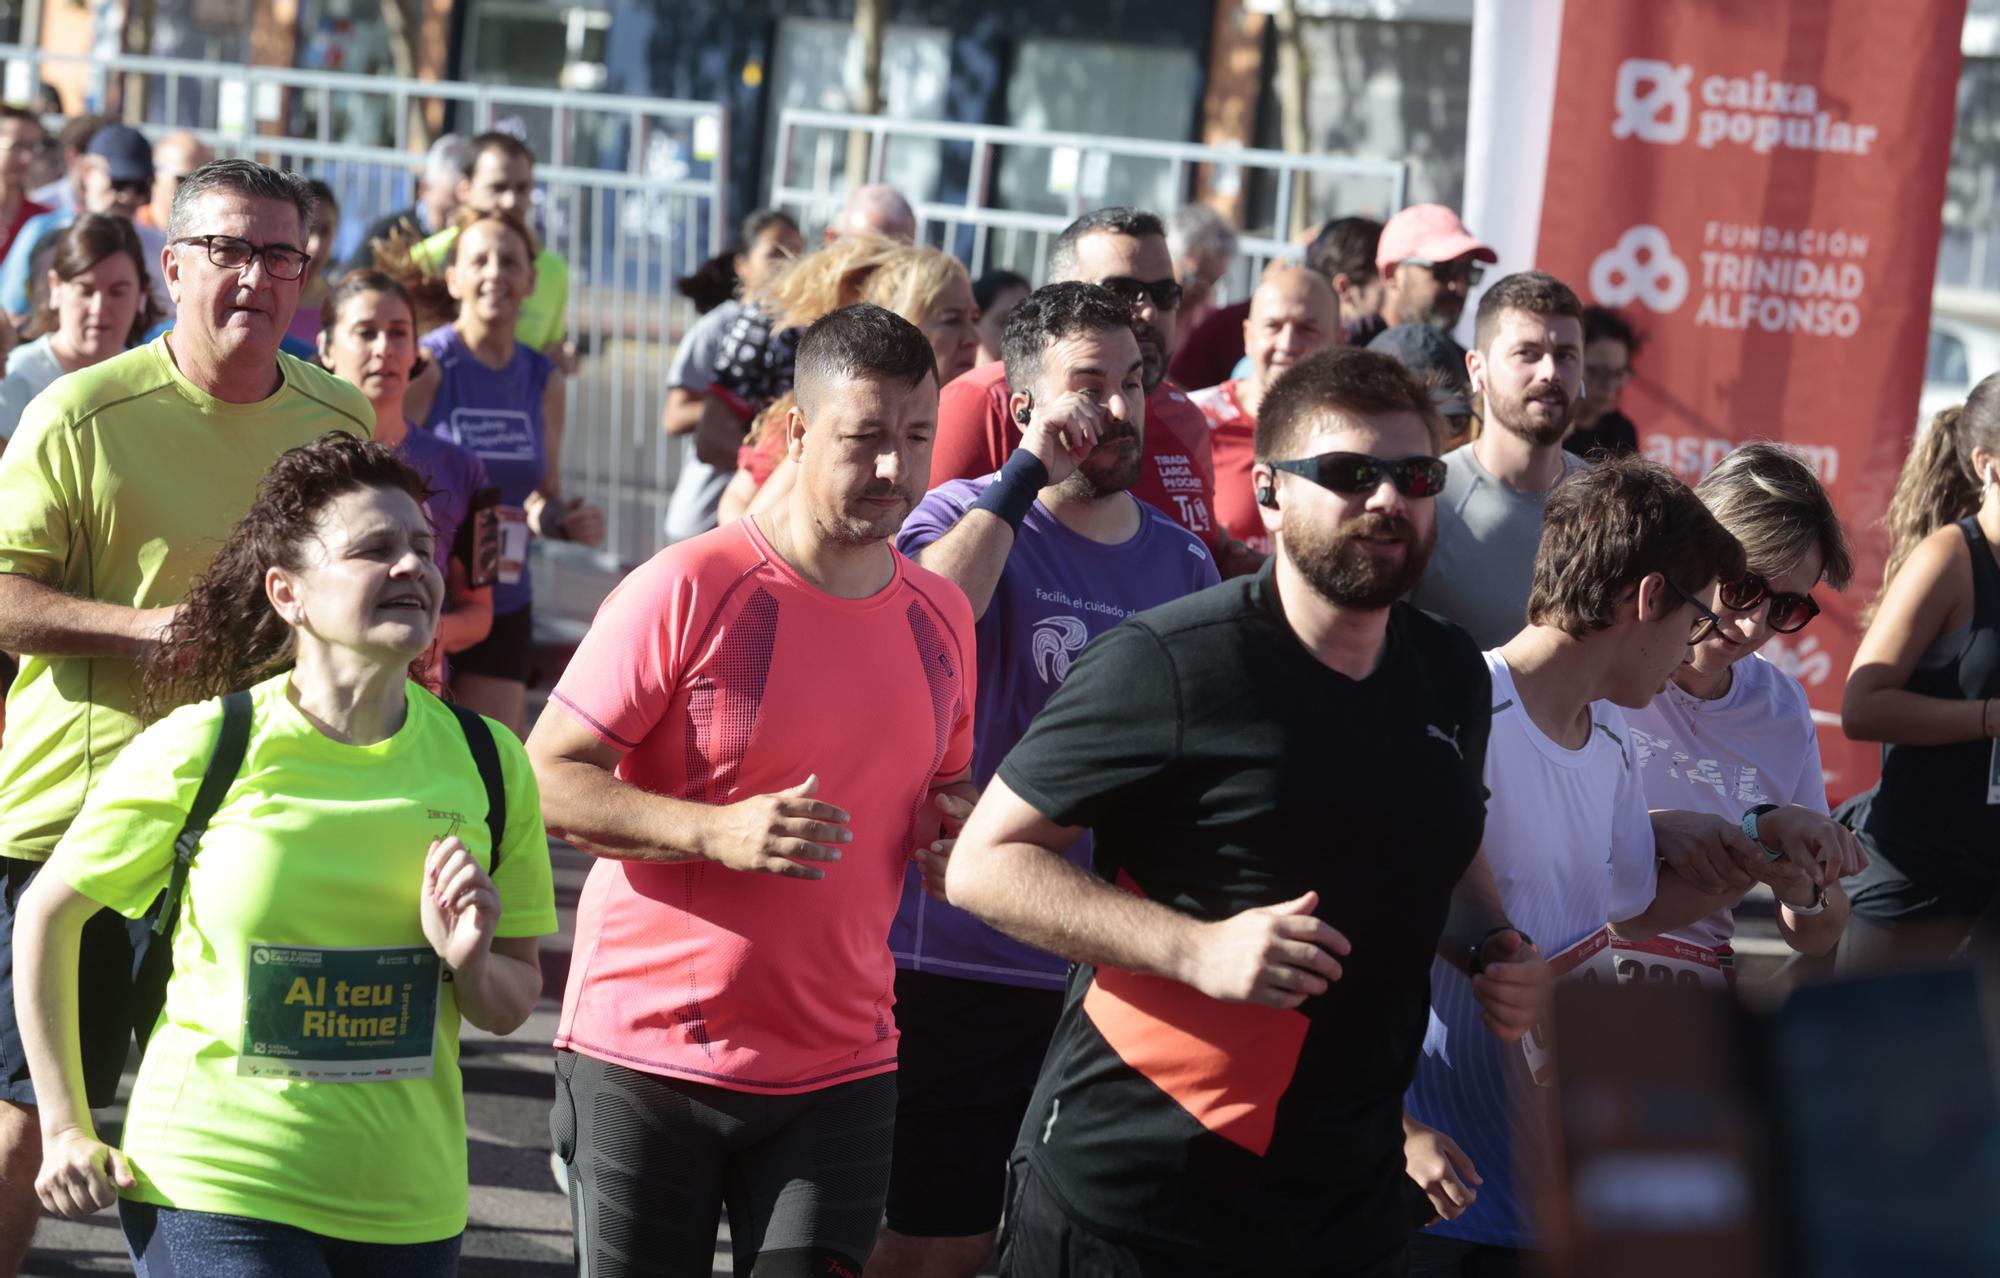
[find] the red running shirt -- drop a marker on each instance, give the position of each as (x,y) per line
(721,673)
(1232,434)
(976,435)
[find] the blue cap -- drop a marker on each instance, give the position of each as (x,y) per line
(125,152)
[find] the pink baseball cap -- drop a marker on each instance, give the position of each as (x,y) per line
(1428,231)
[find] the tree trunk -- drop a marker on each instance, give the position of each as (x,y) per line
(400,18)
(871,22)
(1291,109)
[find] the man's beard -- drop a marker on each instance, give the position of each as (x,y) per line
(1517,419)
(1108,469)
(861,525)
(1349,575)
(1154,352)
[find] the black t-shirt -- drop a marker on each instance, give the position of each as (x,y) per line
(1221,767)
(1614,434)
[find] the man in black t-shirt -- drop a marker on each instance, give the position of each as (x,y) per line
(1283,776)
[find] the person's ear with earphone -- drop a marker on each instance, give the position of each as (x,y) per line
(1054,442)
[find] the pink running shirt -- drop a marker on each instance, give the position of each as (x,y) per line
(723,674)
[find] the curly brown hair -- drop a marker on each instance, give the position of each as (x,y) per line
(226,635)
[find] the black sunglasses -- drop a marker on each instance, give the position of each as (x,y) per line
(1458,270)
(1789,613)
(1352,473)
(1166,294)
(1704,625)
(133,186)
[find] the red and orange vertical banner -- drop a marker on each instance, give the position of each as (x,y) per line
(1758,189)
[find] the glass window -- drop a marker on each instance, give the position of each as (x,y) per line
(1946,364)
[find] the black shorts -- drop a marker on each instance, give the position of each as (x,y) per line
(507,651)
(104,995)
(1910,884)
(1041,1240)
(652,1161)
(966,1065)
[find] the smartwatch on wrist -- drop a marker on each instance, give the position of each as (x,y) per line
(1475,963)
(1750,829)
(1806,911)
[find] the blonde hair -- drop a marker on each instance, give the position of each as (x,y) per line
(913,280)
(823,281)
(907,279)
(1768,497)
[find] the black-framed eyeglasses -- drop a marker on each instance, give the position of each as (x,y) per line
(1461,270)
(1354,473)
(1704,625)
(232,254)
(1789,613)
(1166,293)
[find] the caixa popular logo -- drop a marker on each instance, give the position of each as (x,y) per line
(1640,267)
(1662,102)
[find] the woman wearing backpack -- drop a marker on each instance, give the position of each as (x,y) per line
(299,1109)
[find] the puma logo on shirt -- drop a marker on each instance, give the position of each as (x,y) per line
(1432,730)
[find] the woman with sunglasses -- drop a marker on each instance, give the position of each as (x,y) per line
(1924,683)
(1731,735)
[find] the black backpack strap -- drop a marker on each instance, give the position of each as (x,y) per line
(232,738)
(486,755)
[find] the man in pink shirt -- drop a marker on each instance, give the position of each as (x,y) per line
(762,727)
(1293,314)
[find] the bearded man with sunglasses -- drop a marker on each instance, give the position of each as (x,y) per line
(1123,250)
(1428,263)
(120,483)
(1281,776)
(1529,366)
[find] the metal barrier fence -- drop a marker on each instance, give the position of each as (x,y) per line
(630,192)
(997,197)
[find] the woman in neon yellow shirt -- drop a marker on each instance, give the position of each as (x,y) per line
(299,1109)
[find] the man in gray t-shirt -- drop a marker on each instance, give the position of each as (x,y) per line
(1485,556)
(1528,363)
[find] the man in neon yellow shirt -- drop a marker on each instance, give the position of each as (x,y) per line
(500,174)
(114,492)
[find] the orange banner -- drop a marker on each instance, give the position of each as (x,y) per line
(1757,188)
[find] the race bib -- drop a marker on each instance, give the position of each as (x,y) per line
(1662,960)
(1587,960)
(513,545)
(339,1015)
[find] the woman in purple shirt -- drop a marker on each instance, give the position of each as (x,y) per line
(368,336)
(503,402)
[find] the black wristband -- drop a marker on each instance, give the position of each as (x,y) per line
(1474,965)
(1012,492)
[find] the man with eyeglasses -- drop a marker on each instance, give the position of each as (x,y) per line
(1125,251)
(115,177)
(1529,366)
(1608,347)
(1281,775)
(119,484)
(1428,263)
(1627,555)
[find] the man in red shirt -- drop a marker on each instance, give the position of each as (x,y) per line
(727,1035)
(1293,314)
(20,137)
(1123,250)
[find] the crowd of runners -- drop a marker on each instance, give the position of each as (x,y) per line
(1095,774)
